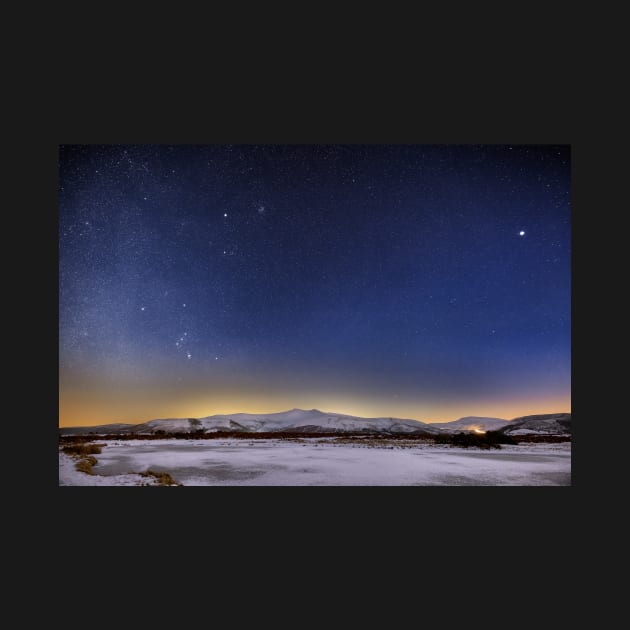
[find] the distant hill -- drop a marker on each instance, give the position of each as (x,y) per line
(315,421)
(470,423)
(547,423)
(294,420)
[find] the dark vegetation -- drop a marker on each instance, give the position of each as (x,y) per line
(84,454)
(82,449)
(245,435)
(85,464)
(490,439)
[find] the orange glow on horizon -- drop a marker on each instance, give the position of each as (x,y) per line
(93,407)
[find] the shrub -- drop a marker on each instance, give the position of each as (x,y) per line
(82,449)
(85,464)
(498,437)
(163,478)
(490,439)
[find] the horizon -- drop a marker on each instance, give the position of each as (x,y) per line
(262,413)
(408,281)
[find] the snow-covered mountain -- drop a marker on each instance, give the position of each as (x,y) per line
(547,423)
(315,421)
(470,423)
(295,420)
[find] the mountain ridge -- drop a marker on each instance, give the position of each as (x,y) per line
(316,421)
(544,423)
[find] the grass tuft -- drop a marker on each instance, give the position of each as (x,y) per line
(82,449)
(163,478)
(85,464)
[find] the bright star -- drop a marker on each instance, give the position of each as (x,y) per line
(225,214)
(521,233)
(142,308)
(188,355)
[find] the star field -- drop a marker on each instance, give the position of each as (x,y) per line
(409,280)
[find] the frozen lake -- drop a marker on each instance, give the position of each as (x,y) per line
(222,462)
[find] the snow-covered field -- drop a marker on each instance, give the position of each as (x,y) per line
(70,476)
(316,462)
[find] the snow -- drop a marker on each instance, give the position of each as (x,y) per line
(534,432)
(287,420)
(469,423)
(70,476)
(313,420)
(550,423)
(294,419)
(323,462)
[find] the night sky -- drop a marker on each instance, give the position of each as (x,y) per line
(427,282)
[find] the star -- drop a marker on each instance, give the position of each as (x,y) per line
(328,257)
